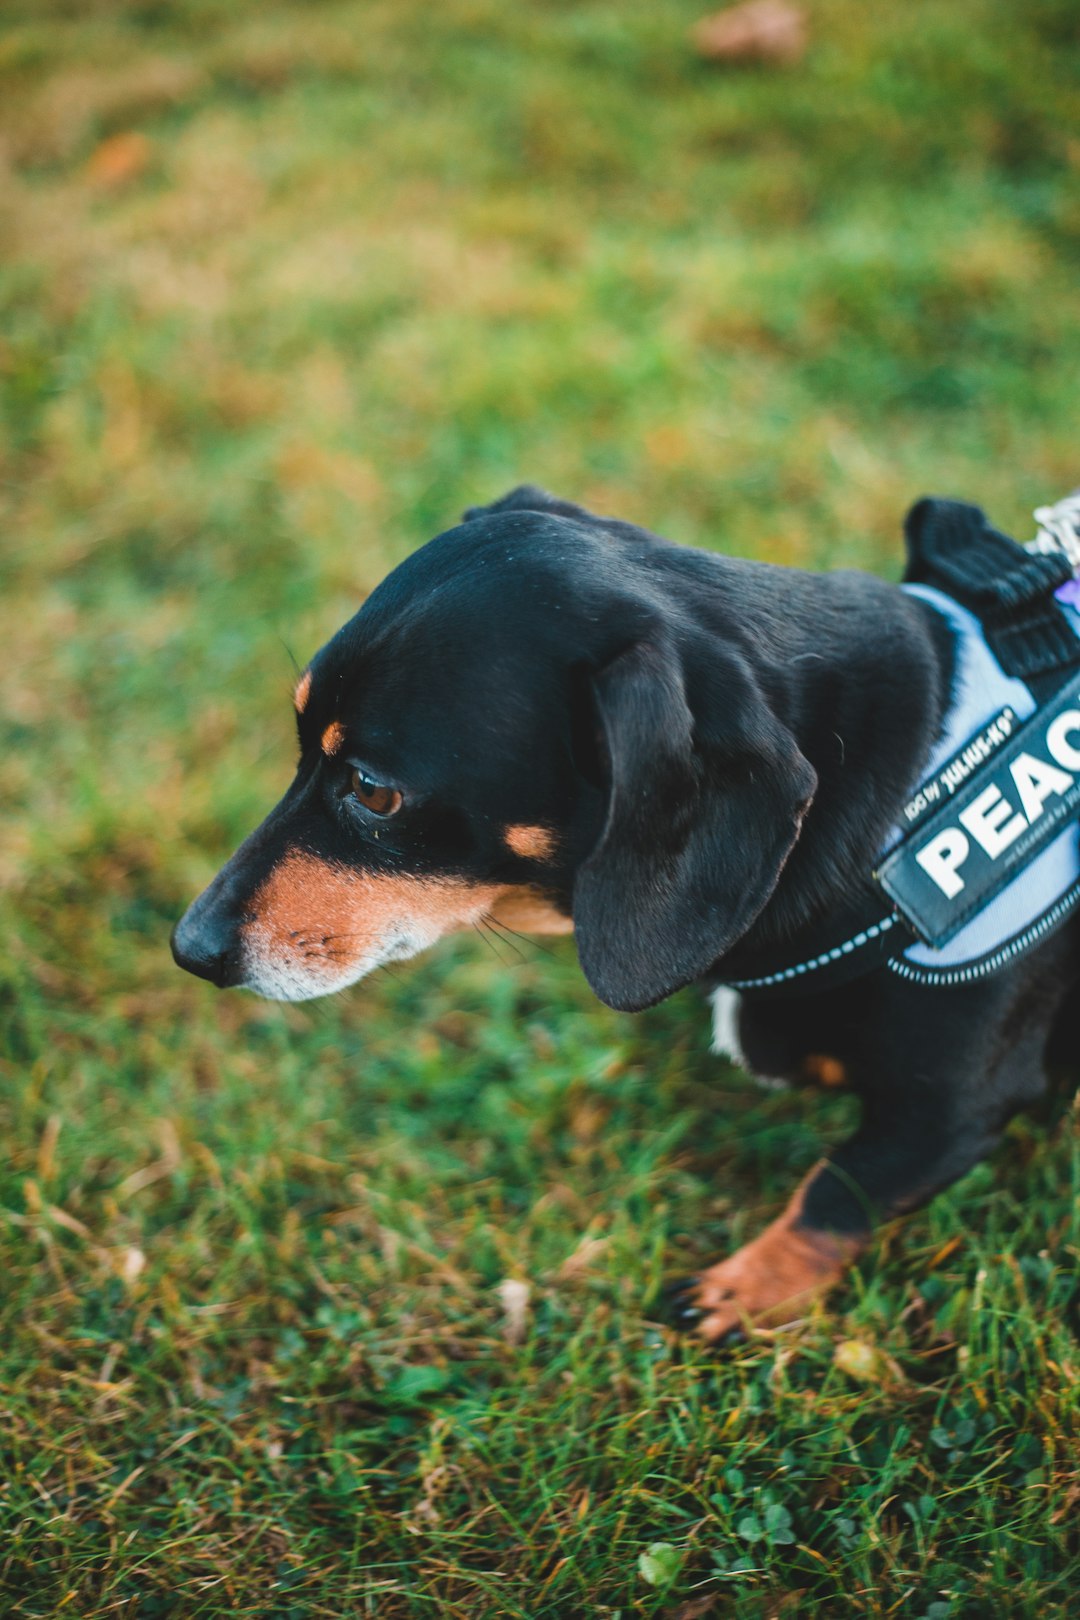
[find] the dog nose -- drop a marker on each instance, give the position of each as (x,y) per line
(206,945)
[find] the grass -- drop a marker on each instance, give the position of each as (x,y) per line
(285,288)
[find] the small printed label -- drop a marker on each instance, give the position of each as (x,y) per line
(985,816)
(956,771)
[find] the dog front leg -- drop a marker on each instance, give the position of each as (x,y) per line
(939,1074)
(896,1161)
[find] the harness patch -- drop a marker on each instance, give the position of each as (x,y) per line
(985,815)
(955,772)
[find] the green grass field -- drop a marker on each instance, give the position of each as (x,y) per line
(283,289)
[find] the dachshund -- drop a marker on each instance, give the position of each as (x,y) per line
(688,760)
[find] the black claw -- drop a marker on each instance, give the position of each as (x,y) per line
(729,1340)
(677,1302)
(678,1287)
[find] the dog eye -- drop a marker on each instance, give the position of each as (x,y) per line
(375,796)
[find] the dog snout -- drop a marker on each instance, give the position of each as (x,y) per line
(207,943)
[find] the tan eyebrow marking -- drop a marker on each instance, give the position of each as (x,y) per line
(534,843)
(332,738)
(302,692)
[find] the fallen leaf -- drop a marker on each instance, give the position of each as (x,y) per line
(773,31)
(514,1298)
(46,1153)
(119,160)
(659,1564)
(697,1607)
(132,1264)
(588,1249)
(860,1361)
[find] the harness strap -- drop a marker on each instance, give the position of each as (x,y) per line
(1010,589)
(864,937)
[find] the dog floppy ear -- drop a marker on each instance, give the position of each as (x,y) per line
(703,810)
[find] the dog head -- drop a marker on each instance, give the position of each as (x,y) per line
(528,722)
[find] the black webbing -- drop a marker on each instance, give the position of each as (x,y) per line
(952,547)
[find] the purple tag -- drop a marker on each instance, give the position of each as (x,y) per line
(1069,593)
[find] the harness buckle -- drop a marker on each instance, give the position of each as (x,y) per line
(1059,529)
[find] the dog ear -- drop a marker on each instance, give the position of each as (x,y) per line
(530,498)
(703,811)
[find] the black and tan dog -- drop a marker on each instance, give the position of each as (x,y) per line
(566,723)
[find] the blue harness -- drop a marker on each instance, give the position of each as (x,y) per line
(984,862)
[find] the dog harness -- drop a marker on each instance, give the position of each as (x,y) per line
(984,861)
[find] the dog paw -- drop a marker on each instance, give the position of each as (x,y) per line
(767,1283)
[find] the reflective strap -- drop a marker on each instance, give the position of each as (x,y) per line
(830,958)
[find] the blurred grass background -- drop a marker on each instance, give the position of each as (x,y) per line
(283,289)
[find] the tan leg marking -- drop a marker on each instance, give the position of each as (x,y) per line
(332,738)
(827,1071)
(302,692)
(770,1281)
(534,843)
